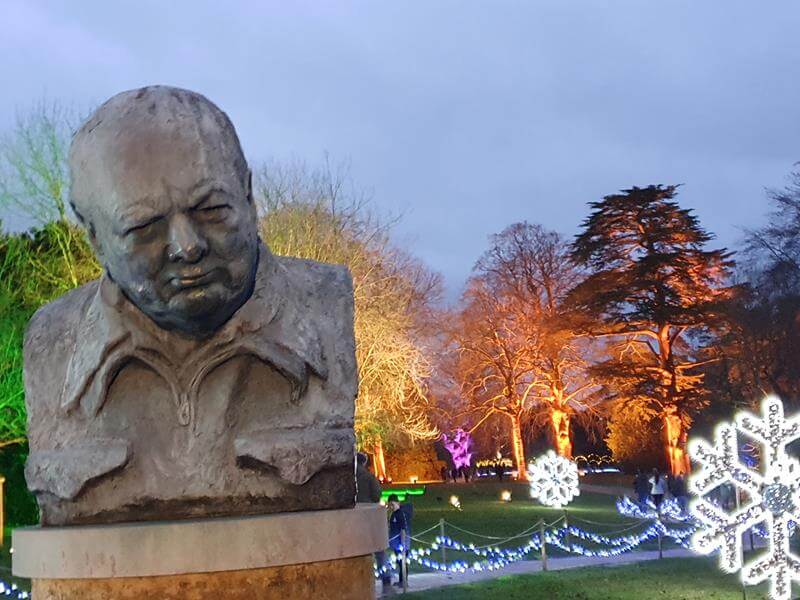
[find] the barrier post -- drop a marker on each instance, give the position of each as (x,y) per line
(567,538)
(544,545)
(442,535)
(404,541)
(660,538)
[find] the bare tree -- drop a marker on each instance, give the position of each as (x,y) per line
(312,213)
(520,357)
(34,179)
(533,267)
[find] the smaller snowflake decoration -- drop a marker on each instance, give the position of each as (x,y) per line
(771,497)
(554,480)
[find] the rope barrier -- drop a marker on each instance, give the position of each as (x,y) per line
(633,523)
(492,557)
(473,533)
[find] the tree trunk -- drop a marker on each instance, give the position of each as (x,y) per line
(676,436)
(674,427)
(519,449)
(379,461)
(562,434)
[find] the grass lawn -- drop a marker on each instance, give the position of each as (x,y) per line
(484,513)
(671,579)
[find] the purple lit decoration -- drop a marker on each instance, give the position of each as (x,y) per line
(459,447)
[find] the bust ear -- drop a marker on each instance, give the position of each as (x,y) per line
(88,226)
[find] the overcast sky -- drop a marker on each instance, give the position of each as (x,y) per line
(462,117)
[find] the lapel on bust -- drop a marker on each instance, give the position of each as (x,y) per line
(273,325)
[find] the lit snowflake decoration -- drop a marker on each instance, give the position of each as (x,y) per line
(554,480)
(772,498)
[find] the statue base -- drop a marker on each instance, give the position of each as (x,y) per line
(320,554)
(343,579)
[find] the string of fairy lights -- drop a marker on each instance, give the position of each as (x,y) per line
(493,557)
(11,590)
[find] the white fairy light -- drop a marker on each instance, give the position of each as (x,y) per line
(554,480)
(772,498)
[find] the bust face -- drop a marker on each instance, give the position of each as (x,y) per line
(176,228)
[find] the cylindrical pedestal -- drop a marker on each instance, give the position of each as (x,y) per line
(343,579)
(321,555)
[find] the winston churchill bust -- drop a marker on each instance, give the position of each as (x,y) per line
(200,375)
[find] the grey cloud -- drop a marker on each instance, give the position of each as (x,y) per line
(463,116)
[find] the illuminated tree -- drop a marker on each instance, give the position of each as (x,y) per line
(656,293)
(530,269)
(309,213)
(494,368)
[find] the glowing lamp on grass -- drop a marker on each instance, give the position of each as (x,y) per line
(505,496)
(455,502)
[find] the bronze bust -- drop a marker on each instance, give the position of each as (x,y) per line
(201,375)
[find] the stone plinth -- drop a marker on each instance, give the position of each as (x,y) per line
(321,554)
(343,579)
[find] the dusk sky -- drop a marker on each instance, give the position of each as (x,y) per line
(462,117)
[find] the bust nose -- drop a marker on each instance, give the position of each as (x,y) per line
(185,242)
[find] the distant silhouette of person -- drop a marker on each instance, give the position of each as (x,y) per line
(658,487)
(368,489)
(399,523)
(641,486)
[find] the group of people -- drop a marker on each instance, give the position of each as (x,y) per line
(369,490)
(454,474)
(656,486)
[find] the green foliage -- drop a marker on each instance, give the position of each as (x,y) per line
(38,266)
(35,268)
(20,505)
(420,460)
(634,436)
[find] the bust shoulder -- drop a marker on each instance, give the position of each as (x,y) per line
(321,301)
(317,278)
(48,346)
(55,323)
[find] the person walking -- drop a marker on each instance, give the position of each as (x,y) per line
(642,487)
(658,487)
(399,522)
(679,491)
(368,489)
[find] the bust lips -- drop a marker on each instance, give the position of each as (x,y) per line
(189,281)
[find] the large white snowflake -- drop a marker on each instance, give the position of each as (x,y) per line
(771,496)
(554,480)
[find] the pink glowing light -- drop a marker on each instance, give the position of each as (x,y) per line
(459,448)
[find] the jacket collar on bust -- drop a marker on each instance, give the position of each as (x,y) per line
(272,325)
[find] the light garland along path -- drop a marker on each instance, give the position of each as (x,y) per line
(612,547)
(425,581)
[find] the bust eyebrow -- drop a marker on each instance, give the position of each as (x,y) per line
(138,216)
(202,193)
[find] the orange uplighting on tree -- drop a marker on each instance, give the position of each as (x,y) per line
(519,354)
(654,293)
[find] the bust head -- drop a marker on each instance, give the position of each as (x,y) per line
(160,182)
